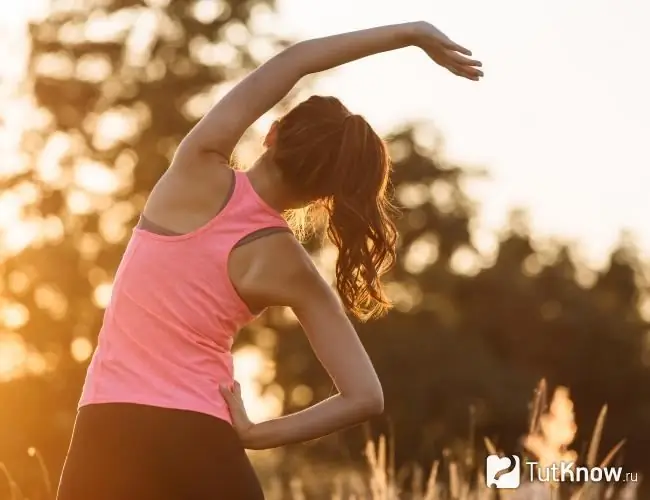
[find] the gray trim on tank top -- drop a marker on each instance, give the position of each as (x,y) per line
(147,225)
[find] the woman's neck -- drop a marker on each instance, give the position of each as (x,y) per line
(267,181)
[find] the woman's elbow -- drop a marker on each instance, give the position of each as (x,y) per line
(372,403)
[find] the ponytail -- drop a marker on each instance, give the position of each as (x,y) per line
(337,160)
(359,220)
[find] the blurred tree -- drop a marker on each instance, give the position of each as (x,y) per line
(472,331)
(114,85)
(117,85)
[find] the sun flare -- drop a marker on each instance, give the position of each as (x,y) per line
(251,371)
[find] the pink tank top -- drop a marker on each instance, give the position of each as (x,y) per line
(167,333)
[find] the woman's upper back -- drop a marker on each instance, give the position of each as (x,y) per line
(174,312)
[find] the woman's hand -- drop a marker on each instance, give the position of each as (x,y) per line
(446,53)
(240,421)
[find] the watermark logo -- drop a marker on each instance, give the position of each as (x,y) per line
(569,472)
(503,472)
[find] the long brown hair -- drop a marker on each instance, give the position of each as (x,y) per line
(340,167)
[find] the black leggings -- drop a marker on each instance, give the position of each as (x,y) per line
(136,452)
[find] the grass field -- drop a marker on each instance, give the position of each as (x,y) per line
(551,432)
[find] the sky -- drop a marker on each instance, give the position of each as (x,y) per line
(559,120)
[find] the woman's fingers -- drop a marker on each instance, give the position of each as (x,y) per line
(232,397)
(469,67)
(462,60)
(457,63)
(469,73)
(227,394)
(473,72)
(448,44)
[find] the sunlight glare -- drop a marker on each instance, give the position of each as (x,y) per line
(465,261)
(52,229)
(325,261)
(94,68)
(89,246)
(13,13)
(50,299)
(208,11)
(486,243)
(79,202)
(10,208)
(102,295)
(421,254)
(48,166)
(17,359)
(412,195)
(18,236)
(250,370)
(106,28)
(114,223)
(142,36)
(113,126)
(302,395)
(443,196)
(14,315)
(13,354)
(81,349)
(404,297)
(18,282)
(95,178)
(266,339)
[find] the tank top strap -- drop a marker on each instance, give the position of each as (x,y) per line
(246,213)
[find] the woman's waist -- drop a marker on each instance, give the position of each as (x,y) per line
(125,417)
(139,406)
(159,381)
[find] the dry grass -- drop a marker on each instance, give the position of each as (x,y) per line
(551,432)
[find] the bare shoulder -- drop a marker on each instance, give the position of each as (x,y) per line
(277,271)
(192,191)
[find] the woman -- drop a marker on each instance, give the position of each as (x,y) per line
(160,416)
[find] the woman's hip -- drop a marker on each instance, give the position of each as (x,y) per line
(123,451)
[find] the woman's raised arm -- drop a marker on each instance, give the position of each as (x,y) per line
(221,128)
